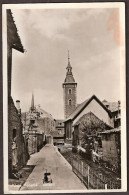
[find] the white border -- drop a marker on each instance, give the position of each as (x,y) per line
(121,6)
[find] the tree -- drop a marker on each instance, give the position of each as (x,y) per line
(89,127)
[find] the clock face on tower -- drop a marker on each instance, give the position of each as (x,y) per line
(69,90)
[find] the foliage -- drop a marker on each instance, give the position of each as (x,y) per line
(89,127)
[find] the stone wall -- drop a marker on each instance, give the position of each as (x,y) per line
(68,109)
(110,149)
(40,141)
(46,124)
(16,138)
(35,142)
(32,143)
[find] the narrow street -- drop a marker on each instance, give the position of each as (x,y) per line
(61,172)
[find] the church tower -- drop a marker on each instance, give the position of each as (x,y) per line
(69,90)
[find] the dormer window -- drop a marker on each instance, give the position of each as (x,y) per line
(70,91)
(70,102)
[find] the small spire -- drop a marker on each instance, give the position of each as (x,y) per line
(32,102)
(69,65)
(68,57)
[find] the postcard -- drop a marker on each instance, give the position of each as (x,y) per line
(64,98)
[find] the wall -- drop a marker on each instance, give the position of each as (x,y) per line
(46,124)
(68,130)
(32,143)
(58,141)
(96,109)
(68,109)
(14,122)
(39,141)
(109,149)
(60,126)
(49,139)
(75,141)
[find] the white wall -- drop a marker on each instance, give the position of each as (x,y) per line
(96,109)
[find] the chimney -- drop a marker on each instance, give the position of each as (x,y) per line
(18,106)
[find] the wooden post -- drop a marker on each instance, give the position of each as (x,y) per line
(72,163)
(106,186)
(82,169)
(88,176)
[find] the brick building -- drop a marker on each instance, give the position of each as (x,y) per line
(17,150)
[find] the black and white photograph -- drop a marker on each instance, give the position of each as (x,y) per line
(64,98)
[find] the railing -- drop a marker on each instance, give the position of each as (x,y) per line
(91,178)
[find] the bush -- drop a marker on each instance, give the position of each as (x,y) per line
(74,150)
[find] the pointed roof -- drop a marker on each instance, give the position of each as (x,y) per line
(69,76)
(69,79)
(93,117)
(83,105)
(13,38)
(113,106)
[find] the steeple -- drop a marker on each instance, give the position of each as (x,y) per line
(32,102)
(69,76)
(68,59)
(69,68)
(69,90)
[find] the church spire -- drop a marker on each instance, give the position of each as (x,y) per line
(69,90)
(32,102)
(69,68)
(68,58)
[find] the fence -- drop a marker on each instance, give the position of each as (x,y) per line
(91,178)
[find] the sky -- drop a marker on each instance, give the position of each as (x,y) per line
(92,38)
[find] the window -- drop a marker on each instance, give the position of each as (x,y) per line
(70,102)
(59,131)
(70,91)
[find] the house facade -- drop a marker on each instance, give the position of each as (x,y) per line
(58,134)
(94,105)
(115,109)
(60,126)
(17,143)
